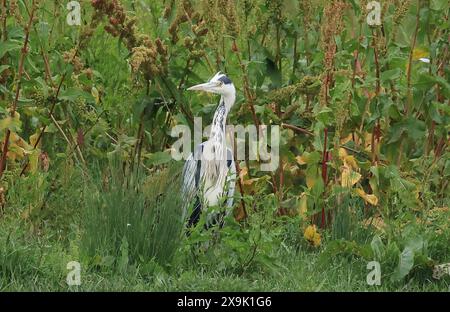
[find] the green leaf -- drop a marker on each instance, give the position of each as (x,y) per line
(73,94)
(16,32)
(124,258)
(140,104)
(3,67)
(412,127)
(390,75)
(377,247)
(312,158)
(438,5)
(256,70)
(325,115)
(416,244)
(158,158)
(273,72)
(9,46)
(426,82)
(444,84)
(406,263)
(416,128)
(43,85)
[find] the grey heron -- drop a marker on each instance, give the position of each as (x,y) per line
(209,172)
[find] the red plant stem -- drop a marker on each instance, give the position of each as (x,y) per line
(298,129)
(324,171)
(19,78)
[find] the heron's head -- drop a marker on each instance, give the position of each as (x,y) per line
(219,84)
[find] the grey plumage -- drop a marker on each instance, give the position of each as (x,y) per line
(209,173)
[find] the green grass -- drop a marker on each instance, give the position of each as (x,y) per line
(301,272)
(85,222)
(131,218)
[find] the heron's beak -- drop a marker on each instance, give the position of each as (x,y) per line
(207,87)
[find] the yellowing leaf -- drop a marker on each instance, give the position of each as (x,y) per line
(368,141)
(419,53)
(349,177)
(316,240)
(351,162)
(15,151)
(34,161)
(309,232)
(243,173)
(376,222)
(5,123)
(347,139)
(301,160)
(342,153)
(292,169)
(16,139)
(33,139)
(250,185)
(312,236)
(310,181)
(303,207)
(95,94)
(308,158)
(13,124)
(250,181)
(369,198)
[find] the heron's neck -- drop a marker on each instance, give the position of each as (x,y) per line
(216,150)
(220,116)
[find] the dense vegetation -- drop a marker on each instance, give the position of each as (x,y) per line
(86,173)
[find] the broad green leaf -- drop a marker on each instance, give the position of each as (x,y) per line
(8,46)
(325,115)
(16,32)
(390,75)
(416,244)
(426,82)
(73,94)
(378,247)
(406,263)
(411,127)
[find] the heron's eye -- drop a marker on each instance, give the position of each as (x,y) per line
(219,83)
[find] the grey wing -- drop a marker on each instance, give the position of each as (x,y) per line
(228,194)
(191,177)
